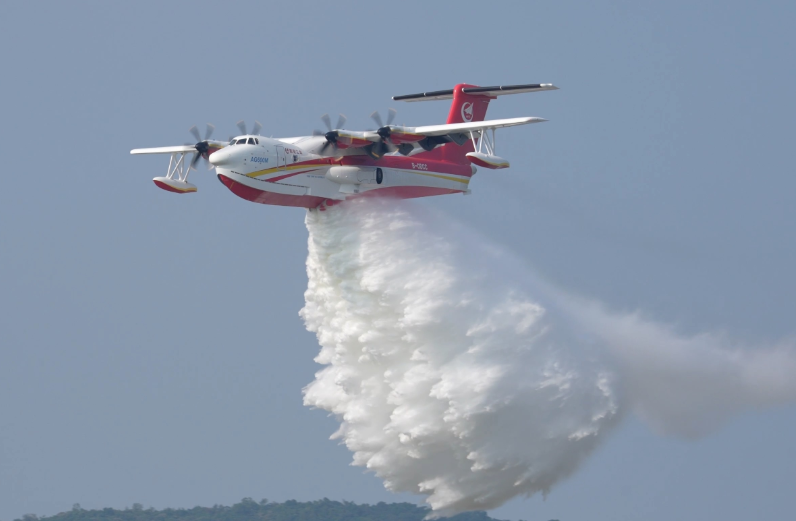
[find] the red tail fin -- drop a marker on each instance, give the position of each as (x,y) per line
(469,104)
(464,108)
(467,107)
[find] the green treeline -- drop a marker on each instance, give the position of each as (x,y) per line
(250,510)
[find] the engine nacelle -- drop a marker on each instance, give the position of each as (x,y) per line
(354,175)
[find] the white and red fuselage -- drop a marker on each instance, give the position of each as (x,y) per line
(402,162)
(286,172)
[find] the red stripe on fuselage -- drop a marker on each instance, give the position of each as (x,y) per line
(279,178)
(308,201)
(265,197)
(417,163)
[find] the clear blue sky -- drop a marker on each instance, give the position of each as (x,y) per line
(150,346)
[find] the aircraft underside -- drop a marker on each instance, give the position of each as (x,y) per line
(315,185)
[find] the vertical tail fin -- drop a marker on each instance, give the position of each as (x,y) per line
(467,107)
(464,109)
(469,104)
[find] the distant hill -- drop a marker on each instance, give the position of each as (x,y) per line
(250,510)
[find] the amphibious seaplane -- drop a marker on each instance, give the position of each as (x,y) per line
(329,167)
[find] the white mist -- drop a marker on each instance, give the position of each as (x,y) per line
(458,375)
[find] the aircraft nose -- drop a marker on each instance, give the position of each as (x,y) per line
(220,158)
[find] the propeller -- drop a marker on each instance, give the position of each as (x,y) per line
(201,146)
(377,150)
(331,134)
(255,129)
(377,117)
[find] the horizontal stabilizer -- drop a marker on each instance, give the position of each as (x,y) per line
(426,96)
(509,89)
(496,90)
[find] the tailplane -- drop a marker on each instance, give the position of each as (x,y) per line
(469,104)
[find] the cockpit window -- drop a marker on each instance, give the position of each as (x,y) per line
(251,140)
(257,141)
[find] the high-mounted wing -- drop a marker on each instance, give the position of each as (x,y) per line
(176,178)
(391,137)
(473,126)
(431,135)
(352,138)
(165,150)
(205,147)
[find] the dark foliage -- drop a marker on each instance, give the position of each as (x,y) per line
(250,510)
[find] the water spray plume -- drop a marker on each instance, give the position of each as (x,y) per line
(457,375)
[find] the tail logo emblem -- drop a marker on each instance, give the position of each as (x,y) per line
(467,111)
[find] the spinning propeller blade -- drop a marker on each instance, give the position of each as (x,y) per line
(377,150)
(390,118)
(331,134)
(327,121)
(377,118)
(255,129)
(195,132)
(201,146)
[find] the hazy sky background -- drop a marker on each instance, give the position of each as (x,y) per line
(150,344)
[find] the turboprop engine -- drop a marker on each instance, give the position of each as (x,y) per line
(354,175)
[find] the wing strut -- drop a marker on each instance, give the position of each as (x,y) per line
(176,179)
(484,147)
